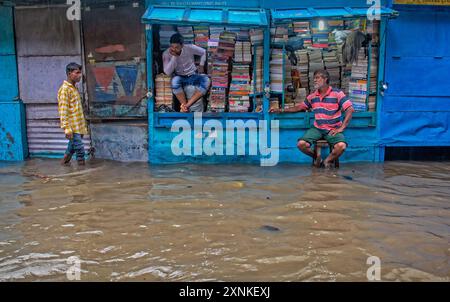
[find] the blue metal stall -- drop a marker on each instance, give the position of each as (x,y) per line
(12,112)
(160,123)
(415,109)
(364,130)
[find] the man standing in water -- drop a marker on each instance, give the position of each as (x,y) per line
(71,114)
(327,104)
(179,59)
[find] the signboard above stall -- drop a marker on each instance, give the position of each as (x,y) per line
(289,15)
(423,2)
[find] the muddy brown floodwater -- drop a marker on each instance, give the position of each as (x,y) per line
(134,221)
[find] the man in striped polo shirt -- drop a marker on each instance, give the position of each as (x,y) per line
(327,104)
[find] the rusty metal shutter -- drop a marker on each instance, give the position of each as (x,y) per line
(114,43)
(46,43)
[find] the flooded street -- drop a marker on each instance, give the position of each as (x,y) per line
(133,221)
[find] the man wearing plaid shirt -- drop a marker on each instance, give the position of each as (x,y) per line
(71,114)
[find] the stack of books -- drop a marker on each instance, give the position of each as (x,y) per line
(303,30)
(276,71)
(358,94)
(215,31)
(219,85)
(201,36)
(346,74)
(278,34)
(319,34)
(289,89)
(303,67)
(187,33)
(220,72)
(213,44)
(360,67)
(374,69)
(163,90)
(335,25)
(354,24)
(315,63)
(165,32)
(227,41)
(243,52)
(358,84)
(239,95)
(256,36)
(257,75)
(332,65)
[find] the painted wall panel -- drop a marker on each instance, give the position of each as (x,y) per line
(114,34)
(117,88)
(41,77)
(123,141)
(12,131)
(9,89)
(6,31)
(46,31)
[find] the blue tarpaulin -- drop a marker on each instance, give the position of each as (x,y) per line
(190,15)
(287,15)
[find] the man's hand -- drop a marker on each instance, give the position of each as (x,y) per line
(336,131)
(201,69)
(69,136)
(184,108)
(173,53)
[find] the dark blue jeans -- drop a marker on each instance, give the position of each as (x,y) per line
(76,146)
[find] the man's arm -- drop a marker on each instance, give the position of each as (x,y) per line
(347,119)
(297,108)
(169,63)
(198,51)
(63,108)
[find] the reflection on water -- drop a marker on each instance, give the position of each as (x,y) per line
(132,221)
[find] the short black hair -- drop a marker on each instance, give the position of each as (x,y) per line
(72,66)
(324,74)
(177,38)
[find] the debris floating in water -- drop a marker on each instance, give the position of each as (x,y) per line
(347,177)
(269,228)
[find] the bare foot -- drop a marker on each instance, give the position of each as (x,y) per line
(317,162)
(327,165)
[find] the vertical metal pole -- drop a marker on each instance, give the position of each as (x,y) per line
(151,89)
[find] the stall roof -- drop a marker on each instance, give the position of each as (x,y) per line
(190,15)
(289,15)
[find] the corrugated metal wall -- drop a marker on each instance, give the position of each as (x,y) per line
(46,43)
(114,45)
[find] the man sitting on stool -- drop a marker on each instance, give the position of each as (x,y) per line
(327,103)
(179,59)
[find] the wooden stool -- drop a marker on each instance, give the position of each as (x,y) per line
(318,149)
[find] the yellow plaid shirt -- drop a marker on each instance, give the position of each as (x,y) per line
(71,110)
